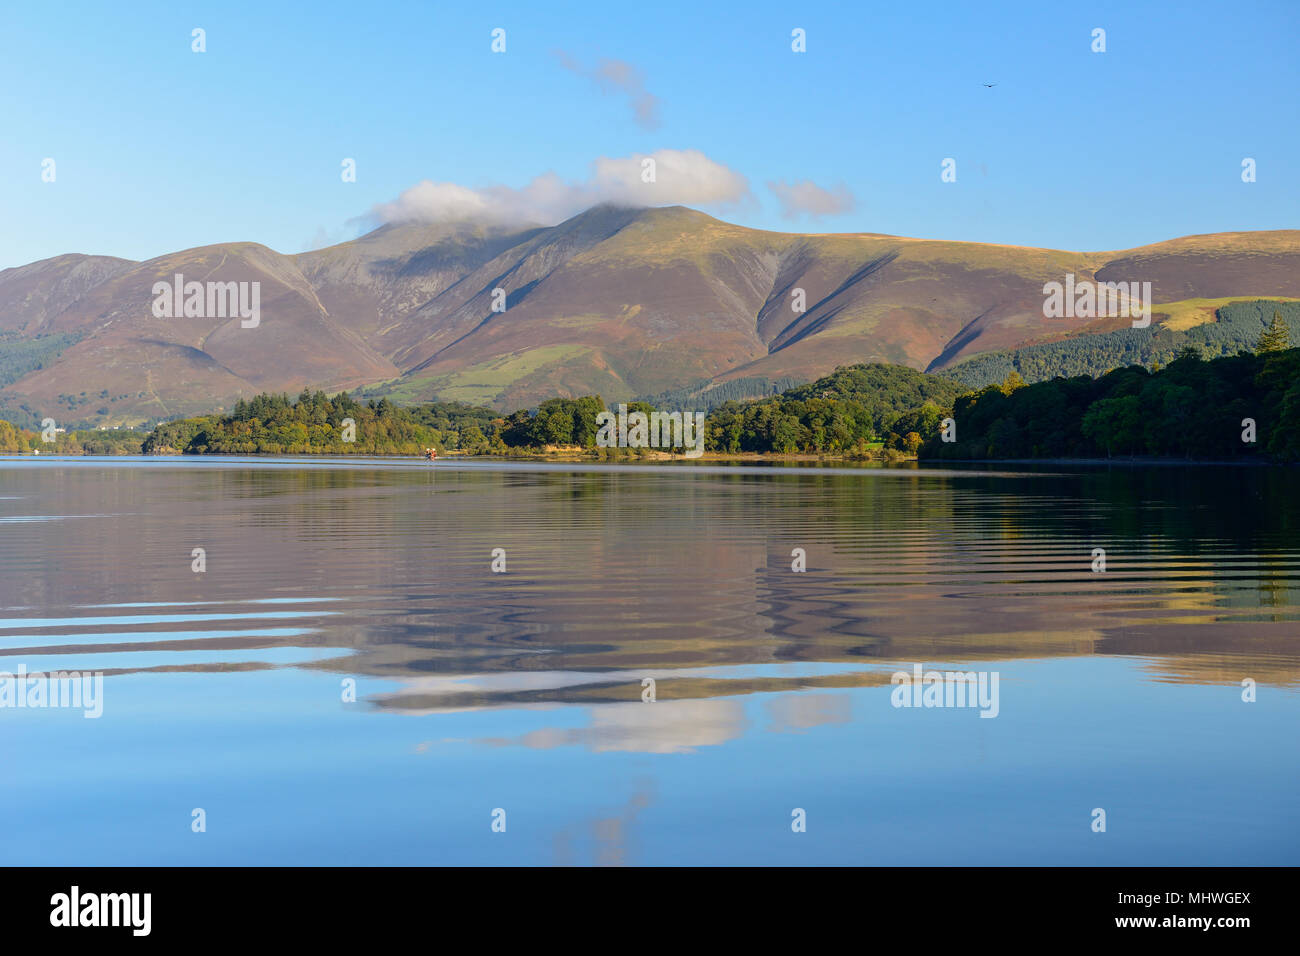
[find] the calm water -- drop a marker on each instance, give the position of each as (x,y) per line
(522,691)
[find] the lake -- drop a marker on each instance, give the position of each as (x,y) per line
(339,676)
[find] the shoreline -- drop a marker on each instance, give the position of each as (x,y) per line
(750,458)
(1131,461)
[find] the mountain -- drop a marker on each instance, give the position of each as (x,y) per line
(620,302)
(1232,327)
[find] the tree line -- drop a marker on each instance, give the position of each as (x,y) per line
(859,410)
(15,440)
(1237,327)
(1234,407)
(316,423)
(1189,408)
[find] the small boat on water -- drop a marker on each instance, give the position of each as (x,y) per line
(430,454)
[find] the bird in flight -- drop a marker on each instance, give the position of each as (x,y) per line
(990,85)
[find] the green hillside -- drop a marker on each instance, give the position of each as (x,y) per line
(19,355)
(705,396)
(1236,328)
(1189,409)
(841,412)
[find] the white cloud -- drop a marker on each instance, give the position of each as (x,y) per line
(806,198)
(685,177)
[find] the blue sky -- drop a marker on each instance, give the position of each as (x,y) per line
(158,148)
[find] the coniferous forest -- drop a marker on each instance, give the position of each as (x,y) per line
(1241,406)
(1237,327)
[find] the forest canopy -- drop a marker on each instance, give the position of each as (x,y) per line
(1237,327)
(1191,408)
(1240,406)
(847,411)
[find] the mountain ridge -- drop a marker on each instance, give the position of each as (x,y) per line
(618,301)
